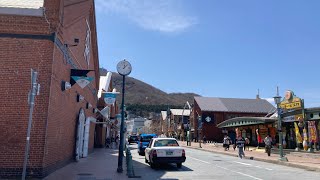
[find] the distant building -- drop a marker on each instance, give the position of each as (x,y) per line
(175,125)
(136,125)
(299,125)
(210,111)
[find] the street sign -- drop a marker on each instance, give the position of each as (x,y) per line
(82,81)
(109,97)
(293,105)
(291,118)
(291,113)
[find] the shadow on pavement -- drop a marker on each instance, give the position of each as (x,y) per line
(144,171)
(101,164)
(171,167)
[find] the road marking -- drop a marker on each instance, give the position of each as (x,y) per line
(238,172)
(199,160)
(242,163)
(268,169)
(246,164)
(227,168)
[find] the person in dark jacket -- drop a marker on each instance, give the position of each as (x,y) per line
(240,144)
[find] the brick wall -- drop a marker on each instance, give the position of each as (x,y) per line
(63,107)
(56,112)
(18,56)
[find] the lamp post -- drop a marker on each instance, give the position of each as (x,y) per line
(124,68)
(188,126)
(277,100)
(199,130)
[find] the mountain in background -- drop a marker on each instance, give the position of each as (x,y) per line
(142,95)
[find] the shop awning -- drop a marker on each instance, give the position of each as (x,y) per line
(245,121)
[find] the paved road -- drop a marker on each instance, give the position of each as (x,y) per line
(208,165)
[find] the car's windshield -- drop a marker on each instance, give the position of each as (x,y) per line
(166,142)
(133,137)
(145,138)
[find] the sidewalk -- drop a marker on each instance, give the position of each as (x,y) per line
(301,160)
(100,165)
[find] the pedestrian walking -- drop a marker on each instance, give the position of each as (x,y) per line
(246,145)
(240,144)
(259,139)
(108,143)
(226,142)
(268,142)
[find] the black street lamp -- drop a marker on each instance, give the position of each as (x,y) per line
(199,130)
(277,100)
(124,68)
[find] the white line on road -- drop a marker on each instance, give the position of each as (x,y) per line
(242,163)
(246,164)
(247,175)
(199,160)
(268,169)
(238,172)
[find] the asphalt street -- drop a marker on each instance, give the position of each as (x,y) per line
(208,165)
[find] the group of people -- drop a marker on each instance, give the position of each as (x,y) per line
(112,142)
(243,144)
(227,142)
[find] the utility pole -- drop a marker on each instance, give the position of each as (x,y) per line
(35,87)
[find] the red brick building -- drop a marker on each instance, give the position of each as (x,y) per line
(51,37)
(212,111)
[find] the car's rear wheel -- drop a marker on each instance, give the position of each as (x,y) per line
(179,165)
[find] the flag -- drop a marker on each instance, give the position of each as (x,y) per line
(298,136)
(312,131)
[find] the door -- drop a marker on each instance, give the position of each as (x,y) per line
(79,138)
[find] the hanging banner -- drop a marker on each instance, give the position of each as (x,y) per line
(298,136)
(82,81)
(312,131)
(109,97)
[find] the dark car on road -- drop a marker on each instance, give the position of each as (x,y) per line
(132,139)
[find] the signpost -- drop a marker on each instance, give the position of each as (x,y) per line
(33,93)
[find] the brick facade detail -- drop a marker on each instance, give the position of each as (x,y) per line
(31,43)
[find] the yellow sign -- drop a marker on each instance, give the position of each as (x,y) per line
(291,101)
(293,105)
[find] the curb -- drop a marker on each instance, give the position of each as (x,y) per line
(261,159)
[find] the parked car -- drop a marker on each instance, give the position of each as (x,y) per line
(164,150)
(132,139)
(144,140)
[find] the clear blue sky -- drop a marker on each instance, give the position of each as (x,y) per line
(215,48)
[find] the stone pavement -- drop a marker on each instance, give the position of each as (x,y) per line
(100,165)
(304,160)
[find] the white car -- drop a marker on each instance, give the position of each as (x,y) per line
(164,150)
